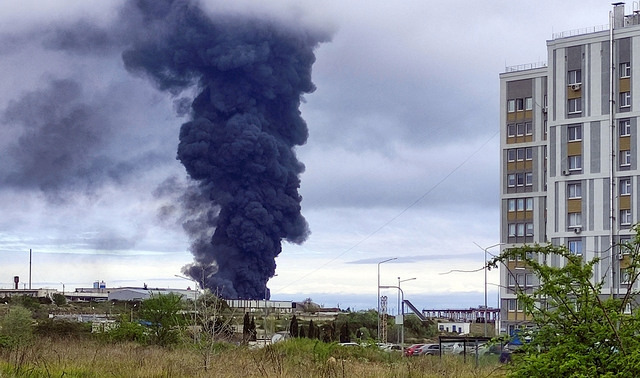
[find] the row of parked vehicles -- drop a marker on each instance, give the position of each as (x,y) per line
(450,348)
(433,349)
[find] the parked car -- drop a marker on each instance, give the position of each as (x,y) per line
(429,350)
(412,349)
(390,347)
(452,348)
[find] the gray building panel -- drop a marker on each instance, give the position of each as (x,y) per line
(574,57)
(551,153)
(624,49)
(556,216)
(591,191)
(520,88)
(605,204)
(604,77)
(564,164)
(634,145)
(594,146)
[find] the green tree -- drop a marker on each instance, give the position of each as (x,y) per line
(16,328)
(162,313)
(345,337)
(311,332)
(578,332)
(253,334)
(59,299)
(293,327)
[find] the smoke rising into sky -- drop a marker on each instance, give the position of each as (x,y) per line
(239,143)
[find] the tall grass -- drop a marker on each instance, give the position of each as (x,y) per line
(293,358)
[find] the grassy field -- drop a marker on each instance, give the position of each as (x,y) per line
(293,358)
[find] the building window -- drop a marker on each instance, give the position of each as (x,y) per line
(519,104)
(520,154)
(625,187)
(511,130)
(575,220)
(511,205)
(511,180)
(575,190)
(520,229)
(528,153)
(511,106)
(519,179)
(512,230)
(520,129)
(511,155)
(529,280)
(529,205)
(625,158)
(528,179)
(625,99)
(625,127)
(625,217)
(575,162)
(528,103)
(575,247)
(528,128)
(625,69)
(529,229)
(625,278)
(575,77)
(512,302)
(575,105)
(574,133)
(520,203)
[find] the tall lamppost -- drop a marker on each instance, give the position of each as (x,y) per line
(378,298)
(401,309)
(402,296)
(485,282)
(195,303)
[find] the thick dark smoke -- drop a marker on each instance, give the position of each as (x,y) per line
(239,143)
(62,137)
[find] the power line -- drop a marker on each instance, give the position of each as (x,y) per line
(392,219)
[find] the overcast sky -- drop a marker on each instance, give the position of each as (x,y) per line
(401,161)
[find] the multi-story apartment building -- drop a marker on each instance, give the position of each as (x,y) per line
(569,155)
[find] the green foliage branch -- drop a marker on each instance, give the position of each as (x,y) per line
(578,331)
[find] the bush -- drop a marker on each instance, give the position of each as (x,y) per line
(62,328)
(59,299)
(126,331)
(16,327)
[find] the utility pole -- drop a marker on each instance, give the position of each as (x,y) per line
(378,298)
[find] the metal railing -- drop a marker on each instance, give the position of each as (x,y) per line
(574,32)
(523,67)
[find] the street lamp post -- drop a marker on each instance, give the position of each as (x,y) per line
(485,282)
(62,287)
(401,309)
(195,303)
(378,298)
(401,325)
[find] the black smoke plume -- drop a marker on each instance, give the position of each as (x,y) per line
(239,143)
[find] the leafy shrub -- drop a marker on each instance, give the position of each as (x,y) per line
(16,327)
(126,331)
(59,299)
(62,328)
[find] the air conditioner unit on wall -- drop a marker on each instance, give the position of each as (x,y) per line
(575,87)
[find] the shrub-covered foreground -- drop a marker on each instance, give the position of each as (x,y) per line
(292,358)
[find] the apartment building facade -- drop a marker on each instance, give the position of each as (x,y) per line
(569,156)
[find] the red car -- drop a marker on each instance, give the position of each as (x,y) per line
(412,349)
